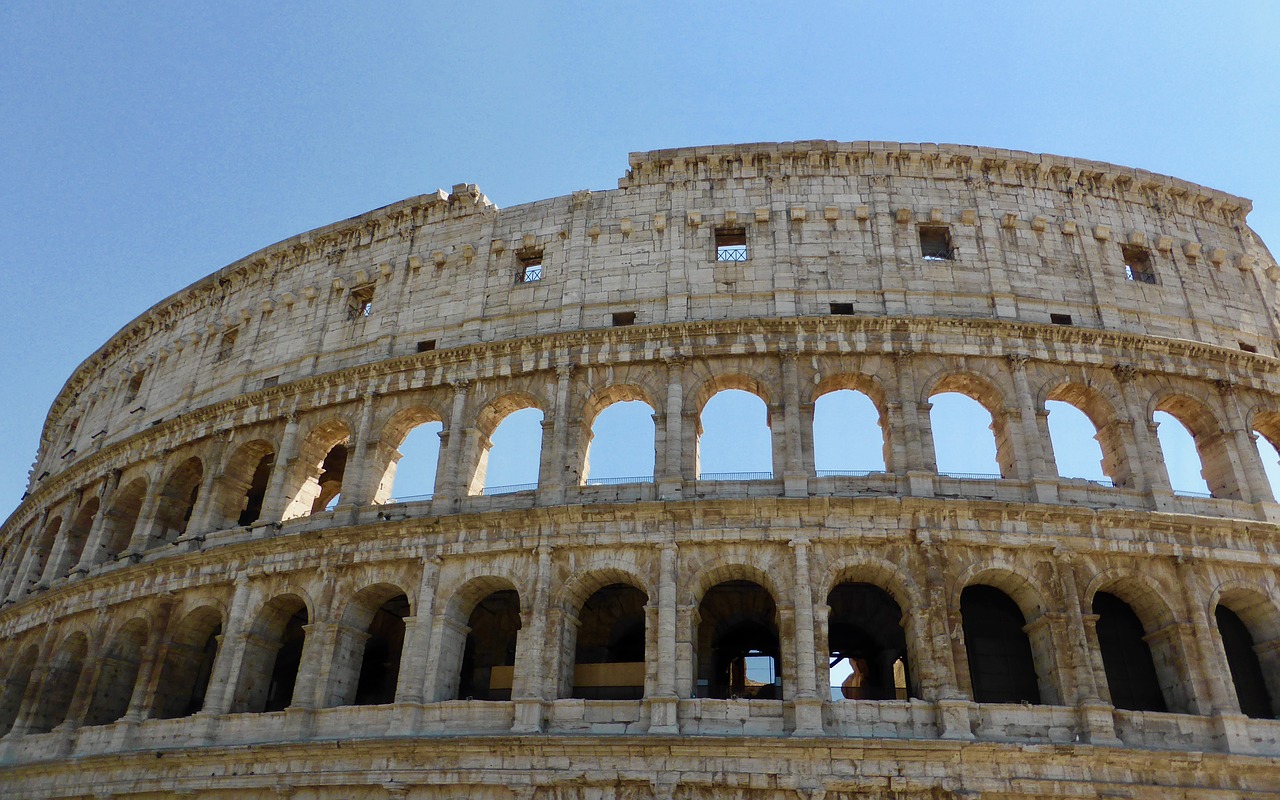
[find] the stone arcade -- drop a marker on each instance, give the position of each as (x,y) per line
(211,591)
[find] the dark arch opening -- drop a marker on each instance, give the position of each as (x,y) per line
(738,643)
(1001,666)
(1246,670)
(489,656)
(188,666)
(257,490)
(332,471)
(117,675)
(380,664)
(1126,656)
(866,644)
(609,655)
(60,685)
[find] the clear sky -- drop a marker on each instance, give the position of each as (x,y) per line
(146,145)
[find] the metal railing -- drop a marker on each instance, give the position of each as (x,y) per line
(411,498)
(619,481)
(732,252)
(971,476)
(735,476)
(510,488)
(848,473)
(1186,493)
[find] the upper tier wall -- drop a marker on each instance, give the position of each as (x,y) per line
(1034,236)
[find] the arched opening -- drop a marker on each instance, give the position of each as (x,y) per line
(489,655)
(332,471)
(241,489)
(738,648)
(122,518)
(867,646)
(272,655)
(734,440)
(848,434)
(177,499)
(366,661)
(966,437)
(1001,666)
(42,547)
(1126,656)
(1247,674)
(15,687)
(117,675)
(1076,449)
(412,475)
(510,455)
(620,445)
(609,654)
(60,684)
(1196,452)
(188,665)
(77,537)
(1265,434)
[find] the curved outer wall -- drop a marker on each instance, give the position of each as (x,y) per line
(133,549)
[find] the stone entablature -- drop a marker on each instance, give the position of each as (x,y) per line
(1034,236)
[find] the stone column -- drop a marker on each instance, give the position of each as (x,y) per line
(664,704)
(1095,718)
(1149,472)
(670,462)
(1032,444)
(558,472)
(411,686)
(53,565)
(913,435)
(795,476)
(359,481)
(93,543)
(451,483)
(23,578)
(275,500)
(227,664)
(1256,488)
(946,643)
(808,703)
(529,685)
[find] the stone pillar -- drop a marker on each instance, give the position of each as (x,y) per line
(1256,488)
(795,476)
(808,703)
(148,679)
(529,684)
(558,471)
(1031,443)
(276,500)
(451,482)
(93,543)
(671,461)
(23,579)
(664,704)
(913,435)
(1149,472)
(411,687)
(359,481)
(1095,718)
(225,673)
(53,565)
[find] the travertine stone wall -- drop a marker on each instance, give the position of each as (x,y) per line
(169,531)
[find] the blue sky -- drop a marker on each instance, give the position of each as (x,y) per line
(146,145)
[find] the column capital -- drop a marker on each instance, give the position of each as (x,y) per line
(1125,372)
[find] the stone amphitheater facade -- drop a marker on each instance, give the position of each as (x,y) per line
(186,613)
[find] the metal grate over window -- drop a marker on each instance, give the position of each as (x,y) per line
(731,244)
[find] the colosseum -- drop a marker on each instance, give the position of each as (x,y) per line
(213,590)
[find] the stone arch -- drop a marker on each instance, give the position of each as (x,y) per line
(1201,418)
(60,681)
(176,500)
(482,621)
(76,537)
(188,662)
(320,468)
(490,416)
(273,654)
(241,489)
(41,548)
(393,430)
(737,625)
(986,391)
(122,518)
(990,637)
(1125,641)
(870,387)
(1100,409)
(370,642)
(118,672)
(572,602)
(22,663)
(724,571)
(594,406)
(1266,421)
(1251,644)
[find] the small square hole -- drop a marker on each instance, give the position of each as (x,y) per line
(1137,264)
(267,383)
(1248,348)
(623,318)
(1060,319)
(360,305)
(842,309)
(426,345)
(530,269)
(935,243)
(731,244)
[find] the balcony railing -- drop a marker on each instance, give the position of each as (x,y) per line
(619,481)
(736,476)
(510,488)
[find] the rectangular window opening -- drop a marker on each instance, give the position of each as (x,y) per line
(267,383)
(361,303)
(426,345)
(842,309)
(135,386)
(227,346)
(731,244)
(530,269)
(1137,264)
(623,318)
(1060,319)
(1248,348)
(935,243)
